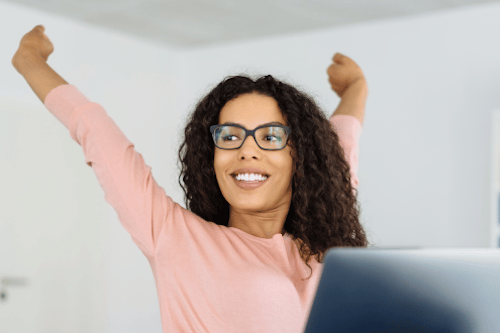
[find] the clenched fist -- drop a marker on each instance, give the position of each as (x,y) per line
(30,61)
(34,48)
(343,73)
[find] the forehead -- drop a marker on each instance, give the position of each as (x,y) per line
(251,110)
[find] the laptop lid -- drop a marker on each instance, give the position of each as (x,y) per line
(408,290)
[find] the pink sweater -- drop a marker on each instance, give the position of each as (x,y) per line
(210,278)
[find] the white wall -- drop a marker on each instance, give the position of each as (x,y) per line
(425,153)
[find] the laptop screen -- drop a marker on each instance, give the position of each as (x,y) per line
(408,290)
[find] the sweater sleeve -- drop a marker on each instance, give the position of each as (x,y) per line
(348,128)
(129,187)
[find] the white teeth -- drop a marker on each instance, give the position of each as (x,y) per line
(250,177)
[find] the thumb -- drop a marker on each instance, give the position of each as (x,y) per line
(338,57)
(39,28)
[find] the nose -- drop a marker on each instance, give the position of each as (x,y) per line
(249,149)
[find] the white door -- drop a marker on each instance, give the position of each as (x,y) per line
(53,227)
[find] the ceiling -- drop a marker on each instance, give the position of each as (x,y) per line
(194,23)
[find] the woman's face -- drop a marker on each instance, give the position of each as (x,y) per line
(250,111)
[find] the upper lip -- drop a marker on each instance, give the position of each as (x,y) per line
(249,170)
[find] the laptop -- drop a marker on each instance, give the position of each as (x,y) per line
(408,290)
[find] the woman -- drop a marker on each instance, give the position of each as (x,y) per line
(268,191)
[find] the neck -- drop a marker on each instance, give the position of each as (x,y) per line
(261,224)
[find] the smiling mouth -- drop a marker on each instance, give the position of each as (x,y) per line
(250,184)
(251,181)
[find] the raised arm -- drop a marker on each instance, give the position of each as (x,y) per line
(141,204)
(30,61)
(348,81)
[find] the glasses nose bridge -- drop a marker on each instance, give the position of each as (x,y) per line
(252,134)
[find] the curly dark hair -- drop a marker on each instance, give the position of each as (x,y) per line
(324,212)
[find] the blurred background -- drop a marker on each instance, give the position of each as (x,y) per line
(429,151)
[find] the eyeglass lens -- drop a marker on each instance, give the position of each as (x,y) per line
(269,137)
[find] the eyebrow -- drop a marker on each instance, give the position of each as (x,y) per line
(271,123)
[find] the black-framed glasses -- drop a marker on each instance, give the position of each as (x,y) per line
(267,137)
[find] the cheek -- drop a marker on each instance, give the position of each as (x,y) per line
(216,163)
(221,161)
(285,165)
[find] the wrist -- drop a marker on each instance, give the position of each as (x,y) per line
(359,84)
(353,101)
(357,89)
(26,62)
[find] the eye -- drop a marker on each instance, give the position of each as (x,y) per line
(272,138)
(226,137)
